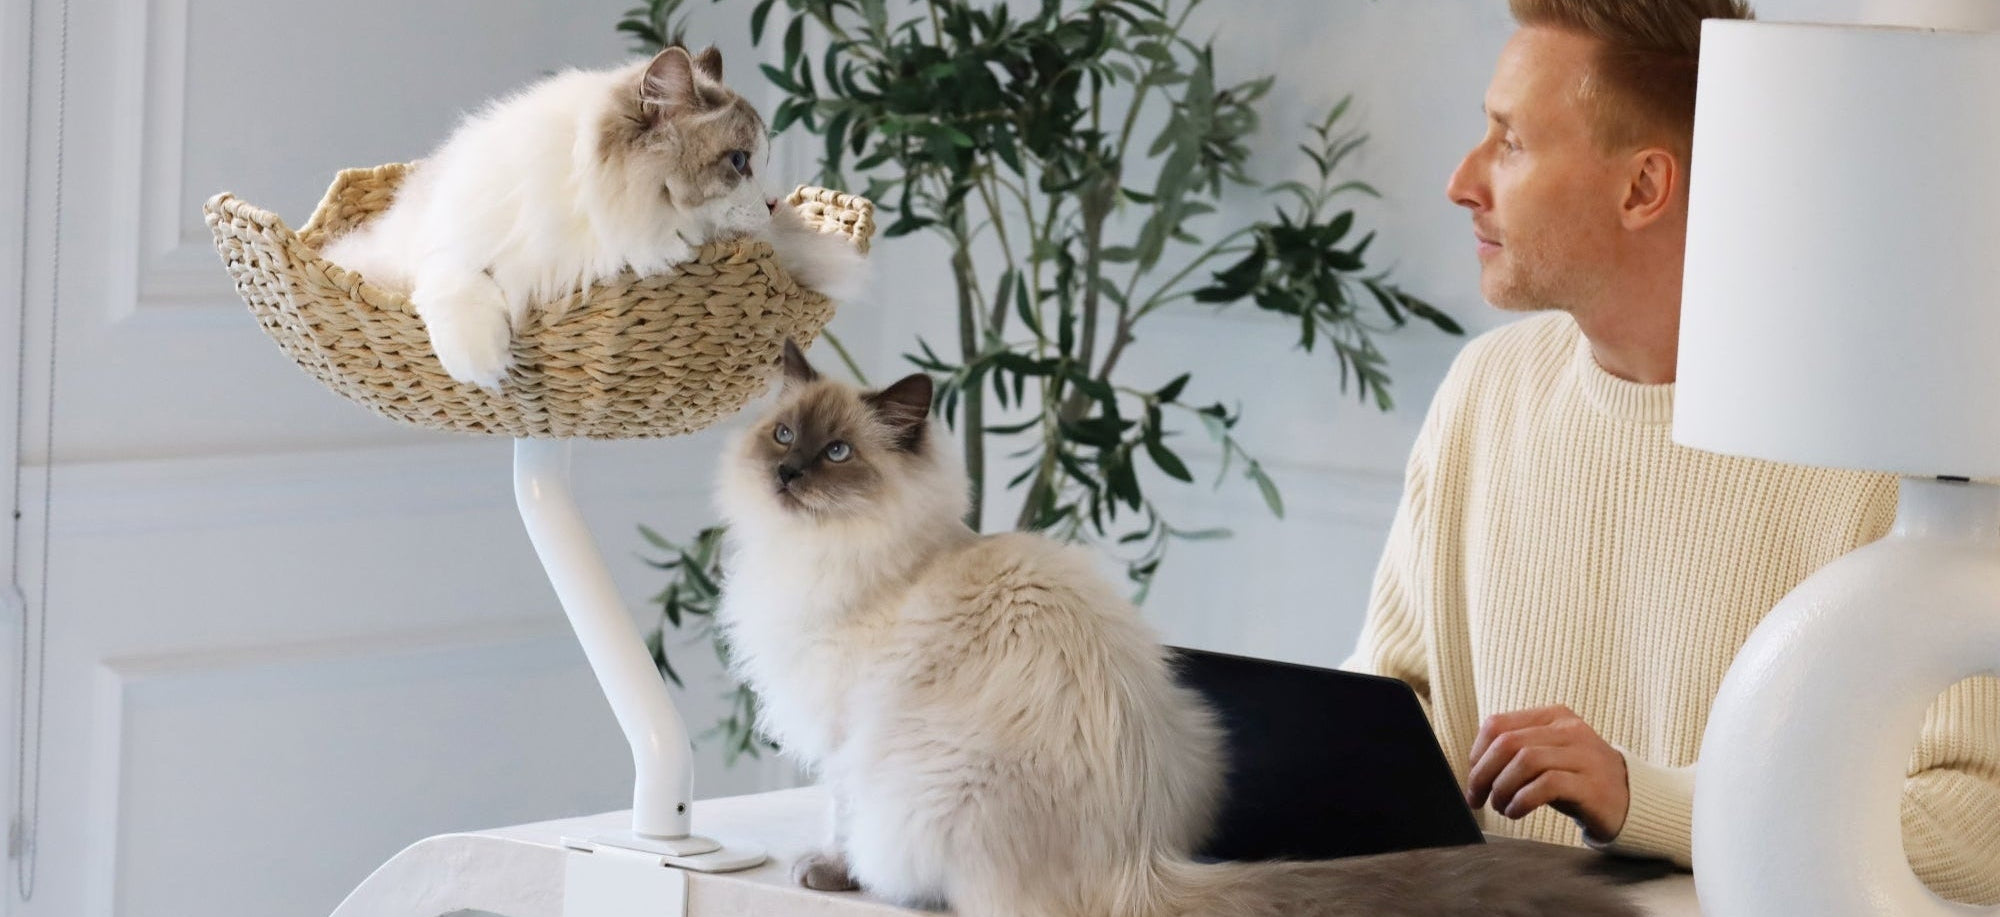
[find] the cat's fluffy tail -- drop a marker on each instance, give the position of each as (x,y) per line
(1514,879)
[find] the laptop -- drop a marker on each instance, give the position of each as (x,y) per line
(1323,764)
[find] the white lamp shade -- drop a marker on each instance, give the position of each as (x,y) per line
(1841,302)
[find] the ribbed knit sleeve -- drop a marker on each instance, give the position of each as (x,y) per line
(1392,636)
(1658,824)
(1951,803)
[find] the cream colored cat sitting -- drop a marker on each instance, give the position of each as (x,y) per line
(569,182)
(997,726)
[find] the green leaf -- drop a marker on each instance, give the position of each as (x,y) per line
(1201,534)
(836,135)
(1338,228)
(1014,428)
(795,37)
(1155,52)
(1386,301)
(1428,312)
(1342,261)
(1361,247)
(1167,460)
(1025,474)
(1095,389)
(1339,108)
(656,539)
(1077,472)
(1270,490)
(1026,310)
(788,111)
(1003,145)
(757,17)
(1102,432)
(1218,429)
(780,79)
(698,577)
(1172,390)
(1243,276)
(667,669)
(1123,483)
(671,606)
(906,224)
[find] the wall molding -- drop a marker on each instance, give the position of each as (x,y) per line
(174,268)
(225,491)
(222,491)
(120,682)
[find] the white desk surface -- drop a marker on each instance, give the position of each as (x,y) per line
(517,871)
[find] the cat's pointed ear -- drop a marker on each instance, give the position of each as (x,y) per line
(669,83)
(906,408)
(709,63)
(797,370)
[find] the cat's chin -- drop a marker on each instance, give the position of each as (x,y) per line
(790,503)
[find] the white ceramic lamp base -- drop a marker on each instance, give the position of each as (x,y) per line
(1798,798)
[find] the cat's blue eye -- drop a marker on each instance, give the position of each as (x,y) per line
(740,161)
(783,434)
(838,451)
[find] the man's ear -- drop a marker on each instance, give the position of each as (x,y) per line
(1655,180)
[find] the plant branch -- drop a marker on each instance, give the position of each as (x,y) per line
(974,428)
(860,378)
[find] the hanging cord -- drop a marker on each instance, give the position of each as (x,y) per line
(24,829)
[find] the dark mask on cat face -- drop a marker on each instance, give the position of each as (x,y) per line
(829,450)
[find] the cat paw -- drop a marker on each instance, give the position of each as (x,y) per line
(473,346)
(825,872)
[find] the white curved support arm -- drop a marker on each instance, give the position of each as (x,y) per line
(663,785)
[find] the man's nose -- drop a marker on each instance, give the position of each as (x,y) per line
(1462,188)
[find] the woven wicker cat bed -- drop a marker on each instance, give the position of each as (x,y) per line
(634,357)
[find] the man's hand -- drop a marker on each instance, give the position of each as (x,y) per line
(1549,756)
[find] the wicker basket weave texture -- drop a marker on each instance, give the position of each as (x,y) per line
(632,357)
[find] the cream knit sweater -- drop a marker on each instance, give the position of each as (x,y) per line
(1554,546)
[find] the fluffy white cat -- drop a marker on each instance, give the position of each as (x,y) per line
(998,728)
(570,181)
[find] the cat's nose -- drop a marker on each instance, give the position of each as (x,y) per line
(787,474)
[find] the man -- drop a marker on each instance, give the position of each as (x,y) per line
(1563,585)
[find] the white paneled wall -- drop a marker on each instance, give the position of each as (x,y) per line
(286,637)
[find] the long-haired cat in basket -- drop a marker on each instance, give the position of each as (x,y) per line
(569,182)
(997,727)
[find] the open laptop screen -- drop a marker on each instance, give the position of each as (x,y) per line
(1324,763)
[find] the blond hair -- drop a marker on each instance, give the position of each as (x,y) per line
(1643,84)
